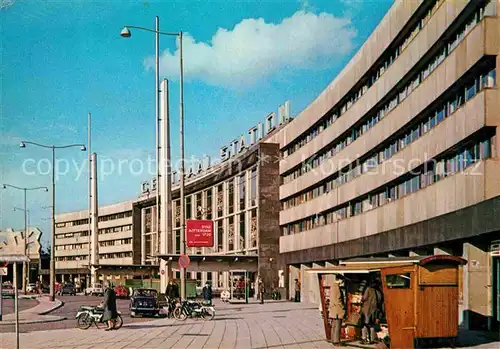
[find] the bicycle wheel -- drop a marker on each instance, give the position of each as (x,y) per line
(179,314)
(118,322)
(84,322)
(207,314)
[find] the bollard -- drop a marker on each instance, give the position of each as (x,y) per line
(336,329)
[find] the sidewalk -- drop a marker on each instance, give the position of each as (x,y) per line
(36,314)
(243,326)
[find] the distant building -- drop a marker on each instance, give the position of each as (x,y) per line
(12,242)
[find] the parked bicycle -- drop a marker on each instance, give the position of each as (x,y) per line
(91,315)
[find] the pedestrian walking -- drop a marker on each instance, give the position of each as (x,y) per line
(109,305)
(207,293)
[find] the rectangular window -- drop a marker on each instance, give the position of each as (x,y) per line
(253,187)
(220,236)
(470,90)
(242,231)
(199,206)
(398,281)
(230,196)
(188,207)
(220,200)
(242,190)
(230,233)
(253,228)
(209,204)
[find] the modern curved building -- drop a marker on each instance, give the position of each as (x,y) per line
(399,154)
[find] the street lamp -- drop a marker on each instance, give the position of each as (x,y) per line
(127,34)
(53,235)
(5,186)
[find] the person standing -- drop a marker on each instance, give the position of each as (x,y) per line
(262,290)
(371,310)
(172,290)
(207,293)
(297,291)
(109,305)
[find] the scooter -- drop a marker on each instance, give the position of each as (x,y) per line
(89,315)
(194,309)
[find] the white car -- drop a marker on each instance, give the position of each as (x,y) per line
(94,290)
(31,288)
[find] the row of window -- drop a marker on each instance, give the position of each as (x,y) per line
(118,242)
(451,101)
(373,118)
(429,173)
(72,247)
(118,229)
(101,219)
(71,258)
(210,203)
(231,233)
(377,70)
(115,255)
(77,234)
(114,216)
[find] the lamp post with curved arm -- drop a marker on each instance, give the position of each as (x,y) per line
(5,186)
(127,34)
(53,230)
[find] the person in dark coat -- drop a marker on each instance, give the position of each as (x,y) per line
(207,293)
(262,290)
(109,305)
(172,290)
(371,309)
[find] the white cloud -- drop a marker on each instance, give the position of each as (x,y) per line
(254,49)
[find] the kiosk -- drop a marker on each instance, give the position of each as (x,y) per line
(420,296)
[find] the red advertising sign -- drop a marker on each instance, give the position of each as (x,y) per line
(199,233)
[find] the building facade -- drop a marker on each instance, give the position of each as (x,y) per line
(240,196)
(117,261)
(399,154)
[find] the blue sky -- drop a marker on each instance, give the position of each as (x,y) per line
(63,59)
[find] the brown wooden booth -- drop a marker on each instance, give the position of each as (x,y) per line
(420,295)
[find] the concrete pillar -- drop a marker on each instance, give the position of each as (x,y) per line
(306,291)
(293,273)
(476,304)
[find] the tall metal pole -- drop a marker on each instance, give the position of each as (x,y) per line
(181,170)
(53,235)
(25,243)
(157,126)
(89,159)
(16,304)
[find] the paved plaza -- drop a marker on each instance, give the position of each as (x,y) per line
(272,325)
(253,326)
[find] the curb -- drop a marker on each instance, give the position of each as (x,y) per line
(27,322)
(57,306)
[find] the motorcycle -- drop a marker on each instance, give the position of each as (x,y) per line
(86,316)
(194,309)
